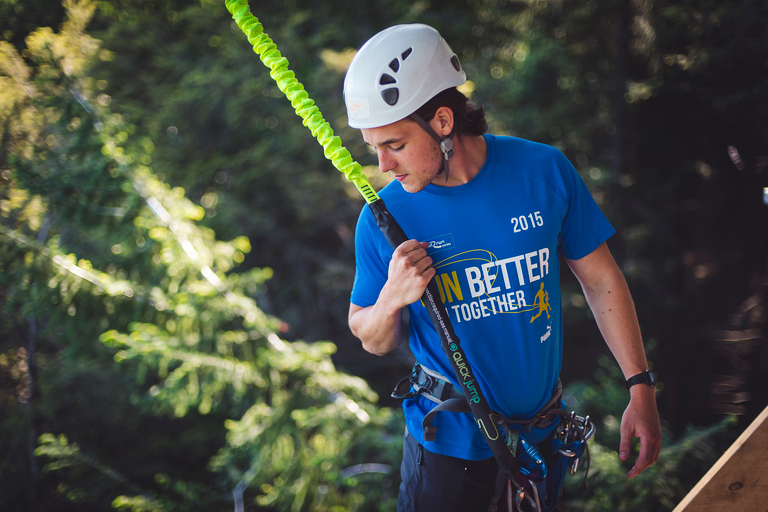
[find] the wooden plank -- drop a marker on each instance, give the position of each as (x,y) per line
(739,480)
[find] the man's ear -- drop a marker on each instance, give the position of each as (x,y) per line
(442,123)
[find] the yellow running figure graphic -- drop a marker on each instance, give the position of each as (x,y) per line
(542,301)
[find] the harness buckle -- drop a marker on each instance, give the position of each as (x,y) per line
(430,433)
(410,378)
(432,387)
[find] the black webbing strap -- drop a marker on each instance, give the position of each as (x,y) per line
(450,405)
(452,348)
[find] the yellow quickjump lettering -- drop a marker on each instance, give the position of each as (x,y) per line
(466,374)
(463,368)
(473,392)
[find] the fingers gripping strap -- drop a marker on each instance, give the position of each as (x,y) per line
(294,91)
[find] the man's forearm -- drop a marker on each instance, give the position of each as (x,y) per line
(609,299)
(379,328)
(616,318)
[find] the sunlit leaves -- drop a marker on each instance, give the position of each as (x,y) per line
(115,266)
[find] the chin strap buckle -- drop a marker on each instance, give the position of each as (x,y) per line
(446,146)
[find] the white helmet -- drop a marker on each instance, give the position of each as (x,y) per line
(396,72)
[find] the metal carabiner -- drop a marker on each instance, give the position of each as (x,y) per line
(535,493)
(519,499)
(408,394)
(525,496)
(578,430)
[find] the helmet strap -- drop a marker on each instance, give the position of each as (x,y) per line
(446,144)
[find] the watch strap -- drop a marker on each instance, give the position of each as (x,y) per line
(647,377)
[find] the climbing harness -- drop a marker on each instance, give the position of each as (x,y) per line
(542,467)
(510,470)
(437,388)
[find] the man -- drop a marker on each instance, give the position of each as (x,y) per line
(488,216)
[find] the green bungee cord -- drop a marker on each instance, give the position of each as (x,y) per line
(342,160)
(305,107)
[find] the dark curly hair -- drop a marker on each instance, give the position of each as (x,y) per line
(469,119)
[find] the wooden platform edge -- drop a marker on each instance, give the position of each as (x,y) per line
(731,453)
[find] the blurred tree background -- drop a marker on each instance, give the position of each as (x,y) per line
(176,254)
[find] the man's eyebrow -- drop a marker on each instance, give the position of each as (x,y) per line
(386,142)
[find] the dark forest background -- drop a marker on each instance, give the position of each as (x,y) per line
(176,254)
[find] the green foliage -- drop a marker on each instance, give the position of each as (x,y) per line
(168,229)
(223,132)
(105,263)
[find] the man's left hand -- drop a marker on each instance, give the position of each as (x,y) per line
(641,419)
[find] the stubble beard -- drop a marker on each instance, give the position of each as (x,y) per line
(425,178)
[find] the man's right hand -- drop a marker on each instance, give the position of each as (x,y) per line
(409,274)
(379,327)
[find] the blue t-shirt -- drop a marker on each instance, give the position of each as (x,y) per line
(494,243)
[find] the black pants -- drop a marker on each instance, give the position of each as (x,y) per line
(439,483)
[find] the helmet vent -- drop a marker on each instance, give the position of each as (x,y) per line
(390,96)
(406,53)
(394,65)
(455,62)
(387,79)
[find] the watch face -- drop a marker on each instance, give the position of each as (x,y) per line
(651,378)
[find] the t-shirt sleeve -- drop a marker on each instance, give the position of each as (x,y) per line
(371,267)
(585,226)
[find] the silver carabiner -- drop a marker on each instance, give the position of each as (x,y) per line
(523,495)
(519,496)
(537,507)
(578,429)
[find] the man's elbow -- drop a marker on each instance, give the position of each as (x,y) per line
(378,338)
(377,350)
(377,347)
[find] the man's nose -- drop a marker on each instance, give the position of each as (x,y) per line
(386,163)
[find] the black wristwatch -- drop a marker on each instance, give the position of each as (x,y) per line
(647,377)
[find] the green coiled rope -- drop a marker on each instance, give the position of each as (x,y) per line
(305,108)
